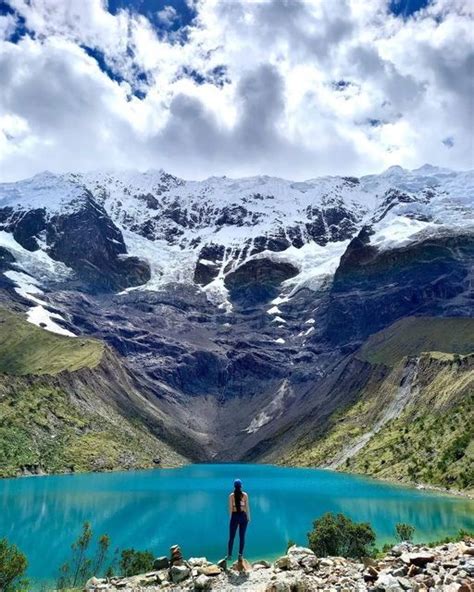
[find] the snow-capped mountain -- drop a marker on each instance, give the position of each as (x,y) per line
(236,290)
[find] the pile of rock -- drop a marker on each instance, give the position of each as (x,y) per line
(447,568)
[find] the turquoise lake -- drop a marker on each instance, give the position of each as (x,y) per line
(188,506)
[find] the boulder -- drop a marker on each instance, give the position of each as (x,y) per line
(179,573)
(161,563)
(202,582)
(282,562)
(197,561)
(176,555)
(210,570)
(222,564)
(420,559)
(388,583)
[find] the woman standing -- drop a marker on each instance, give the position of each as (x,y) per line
(239,510)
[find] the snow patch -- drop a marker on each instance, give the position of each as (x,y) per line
(41,317)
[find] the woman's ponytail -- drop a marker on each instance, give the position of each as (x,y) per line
(237,496)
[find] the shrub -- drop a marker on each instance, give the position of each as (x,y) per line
(338,535)
(82,565)
(13,565)
(134,562)
(404,531)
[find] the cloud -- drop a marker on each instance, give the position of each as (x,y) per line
(286,87)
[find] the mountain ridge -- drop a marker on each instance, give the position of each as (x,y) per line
(237,304)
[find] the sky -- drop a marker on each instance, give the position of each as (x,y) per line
(293,88)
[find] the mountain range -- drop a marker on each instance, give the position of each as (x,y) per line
(148,320)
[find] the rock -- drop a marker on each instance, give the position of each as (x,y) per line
(197,561)
(387,583)
(179,573)
(309,563)
(326,562)
(399,572)
(210,570)
(261,562)
(420,559)
(93,582)
(176,555)
(370,574)
(161,563)
(283,562)
(279,586)
(222,564)
(202,582)
(242,565)
(405,583)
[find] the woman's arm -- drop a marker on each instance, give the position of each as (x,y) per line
(230,503)
(248,508)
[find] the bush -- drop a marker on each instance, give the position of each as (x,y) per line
(404,531)
(83,563)
(135,562)
(338,535)
(13,565)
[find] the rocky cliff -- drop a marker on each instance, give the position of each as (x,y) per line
(238,305)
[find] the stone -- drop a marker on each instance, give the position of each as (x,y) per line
(262,562)
(309,562)
(202,582)
(325,562)
(210,570)
(370,573)
(405,583)
(421,558)
(222,564)
(283,562)
(176,555)
(387,583)
(197,561)
(179,573)
(161,563)
(94,582)
(242,565)
(278,586)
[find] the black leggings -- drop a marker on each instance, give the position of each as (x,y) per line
(238,519)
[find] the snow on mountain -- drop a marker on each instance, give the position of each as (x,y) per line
(185,229)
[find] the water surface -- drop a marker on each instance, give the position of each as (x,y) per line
(188,506)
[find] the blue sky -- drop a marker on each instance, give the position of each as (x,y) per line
(209,87)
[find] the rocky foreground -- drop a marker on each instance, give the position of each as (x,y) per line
(407,567)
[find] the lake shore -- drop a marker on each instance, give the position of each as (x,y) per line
(408,567)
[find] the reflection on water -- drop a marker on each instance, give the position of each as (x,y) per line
(155,509)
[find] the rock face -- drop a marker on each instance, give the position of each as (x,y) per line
(238,305)
(449,567)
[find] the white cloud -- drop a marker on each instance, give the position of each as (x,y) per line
(282,87)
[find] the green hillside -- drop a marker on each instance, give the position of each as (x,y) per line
(414,335)
(53,419)
(416,423)
(28,349)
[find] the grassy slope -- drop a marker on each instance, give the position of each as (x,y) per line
(27,349)
(432,439)
(414,335)
(46,426)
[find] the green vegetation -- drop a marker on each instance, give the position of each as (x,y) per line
(27,349)
(43,430)
(13,565)
(413,420)
(55,419)
(404,532)
(424,445)
(84,562)
(134,562)
(414,335)
(338,535)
